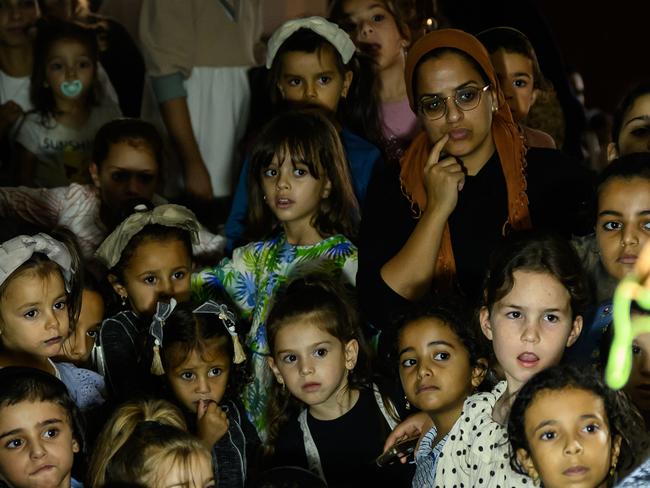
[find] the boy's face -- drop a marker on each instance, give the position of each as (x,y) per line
(129,172)
(515,72)
(36,445)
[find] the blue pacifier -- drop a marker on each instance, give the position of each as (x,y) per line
(71,89)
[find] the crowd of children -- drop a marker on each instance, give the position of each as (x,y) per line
(413,286)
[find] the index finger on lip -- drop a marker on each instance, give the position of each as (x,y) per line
(437,147)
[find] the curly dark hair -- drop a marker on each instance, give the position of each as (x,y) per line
(456,314)
(334,307)
(186,331)
(623,418)
(541,251)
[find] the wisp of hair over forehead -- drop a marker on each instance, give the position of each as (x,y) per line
(536,251)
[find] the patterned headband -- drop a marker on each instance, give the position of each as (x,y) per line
(15,252)
(110,251)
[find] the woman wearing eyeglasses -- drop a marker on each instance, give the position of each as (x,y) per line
(464,181)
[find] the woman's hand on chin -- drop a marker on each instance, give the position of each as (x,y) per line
(443,179)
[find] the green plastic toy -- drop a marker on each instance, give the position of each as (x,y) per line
(634,287)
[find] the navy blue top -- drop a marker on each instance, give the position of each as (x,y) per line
(362,157)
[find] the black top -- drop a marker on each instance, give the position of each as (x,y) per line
(559,193)
(347,446)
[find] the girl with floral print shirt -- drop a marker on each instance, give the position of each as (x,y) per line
(302,205)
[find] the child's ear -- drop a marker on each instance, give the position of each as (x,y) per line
(612,151)
(347,81)
(276,372)
(327,188)
(484,319)
(280,90)
(93,169)
(351,354)
(118,287)
(526,462)
(75,446)
(536,93)
(616,451)
(575,331)
(479,371)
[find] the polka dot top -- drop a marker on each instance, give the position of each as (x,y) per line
(477,451)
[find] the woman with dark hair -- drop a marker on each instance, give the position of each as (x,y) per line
(463,183)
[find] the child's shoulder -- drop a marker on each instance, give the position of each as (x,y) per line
(86,387)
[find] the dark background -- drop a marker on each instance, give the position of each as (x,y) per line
(609,43)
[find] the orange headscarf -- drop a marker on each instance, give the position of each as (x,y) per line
(509,144)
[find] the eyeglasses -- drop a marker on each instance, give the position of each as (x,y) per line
(434,107)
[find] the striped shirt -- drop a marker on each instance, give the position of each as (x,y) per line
(426,459)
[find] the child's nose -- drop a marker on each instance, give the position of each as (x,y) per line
(51,320)
(630,236)
(37,449)
(530,333)
(306,368)
(202,385)
(283,181)
(424,369)
(310,91)
(572,446)
(365,28)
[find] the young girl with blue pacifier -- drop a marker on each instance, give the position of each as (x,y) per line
(54,142)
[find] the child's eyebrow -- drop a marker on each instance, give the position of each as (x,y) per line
(40,424)
(644,118)
(432,343)
(609,212)
(10,433)
(545,423)
(522,73)
(311,346)
(585,416)
(49,422)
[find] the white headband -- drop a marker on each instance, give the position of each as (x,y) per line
(336,36)
(16,251)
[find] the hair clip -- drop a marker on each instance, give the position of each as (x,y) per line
(163,311)
(228,319)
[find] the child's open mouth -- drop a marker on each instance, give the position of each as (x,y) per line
(528,359)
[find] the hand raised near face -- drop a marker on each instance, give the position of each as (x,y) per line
(443,179)
(212,422)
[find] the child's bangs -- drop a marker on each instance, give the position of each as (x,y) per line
(293,149)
